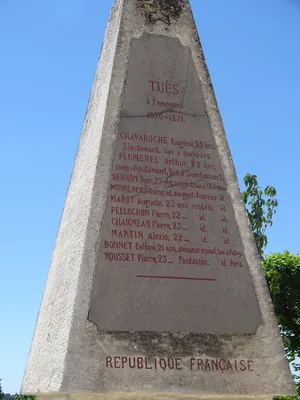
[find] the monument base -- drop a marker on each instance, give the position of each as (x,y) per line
(144,396)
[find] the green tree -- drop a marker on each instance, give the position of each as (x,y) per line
(24,397)
(261,206)
(8,396)
(282,270)
(1,392)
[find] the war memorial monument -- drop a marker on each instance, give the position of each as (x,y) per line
(155,288)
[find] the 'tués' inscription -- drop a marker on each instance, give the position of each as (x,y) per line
(171,257)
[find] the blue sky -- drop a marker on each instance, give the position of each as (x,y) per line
(49,51)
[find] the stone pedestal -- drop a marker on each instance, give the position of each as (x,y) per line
(155,287)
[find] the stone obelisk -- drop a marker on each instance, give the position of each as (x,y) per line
(155,288)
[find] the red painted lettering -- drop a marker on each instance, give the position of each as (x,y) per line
(200,364)
(109,362)
(164,364)
(192,363)
(168,88)
(144,138)
(214,365)
(178,363)
(243,365)
(222,365)
(116,362)
(117,245)
(164,87)
(131,362)
(146,364)
(140,363)
(124,361)
(229,366)
(250,365)
(152,83)
(119,257)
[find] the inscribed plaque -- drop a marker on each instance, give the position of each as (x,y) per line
(171,257)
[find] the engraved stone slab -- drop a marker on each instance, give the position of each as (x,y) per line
(171,257)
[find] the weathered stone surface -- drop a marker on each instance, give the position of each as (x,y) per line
(100,330)
(169,236)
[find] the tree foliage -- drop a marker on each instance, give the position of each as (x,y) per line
(282,270)
(1,392)
(24,397)
(261,205)
(8,396)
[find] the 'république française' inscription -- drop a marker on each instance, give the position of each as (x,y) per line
(169,363)
(171,257)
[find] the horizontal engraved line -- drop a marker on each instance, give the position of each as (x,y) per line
(183,278)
